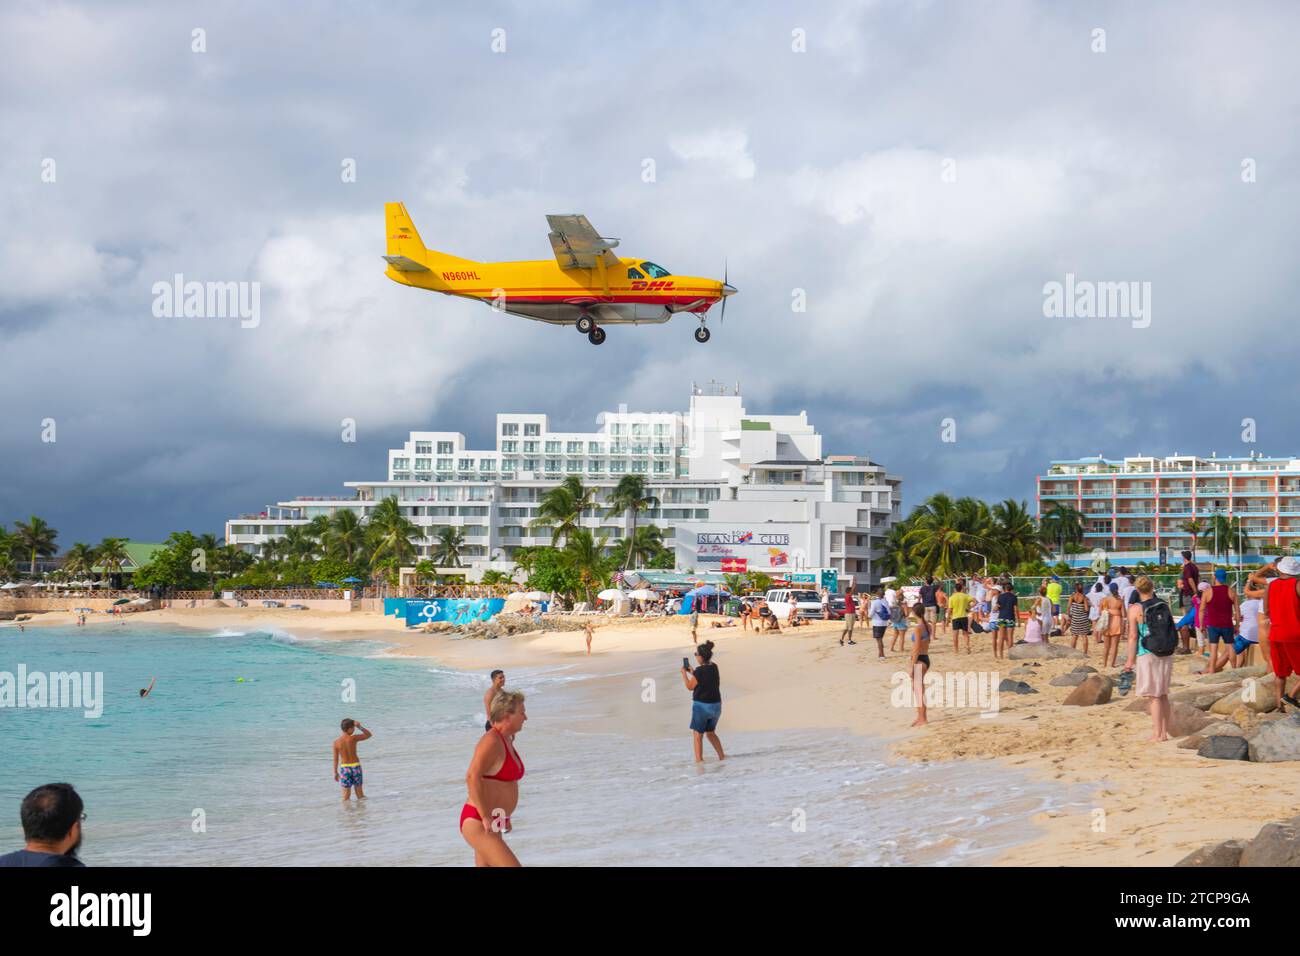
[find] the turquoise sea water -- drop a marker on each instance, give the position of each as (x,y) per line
(254,757)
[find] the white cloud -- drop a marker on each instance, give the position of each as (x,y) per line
(727,150)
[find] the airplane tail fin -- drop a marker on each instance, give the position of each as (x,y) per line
(406,250)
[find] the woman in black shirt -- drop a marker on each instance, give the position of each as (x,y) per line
(706,700)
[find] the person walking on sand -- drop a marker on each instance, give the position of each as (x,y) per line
(1006,632)
(347,766)
(826,604)
(959,609)
(705,685)
(879,615)
(695,621)
(850,617)
(1111,623)
(587,630)
(1080,623)
(492,783)
(922,631)
(1152,638)
(498,684)
(1220,615)
(898,620)
(1282,613)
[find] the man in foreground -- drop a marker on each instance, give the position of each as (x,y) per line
(52,816)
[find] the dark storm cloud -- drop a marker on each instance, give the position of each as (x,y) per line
(817,171)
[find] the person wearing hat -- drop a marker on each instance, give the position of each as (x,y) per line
(1220,616)
(1282,611)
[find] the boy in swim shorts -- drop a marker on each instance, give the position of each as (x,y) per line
(347,767)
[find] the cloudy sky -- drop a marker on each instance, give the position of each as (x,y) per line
(920,170)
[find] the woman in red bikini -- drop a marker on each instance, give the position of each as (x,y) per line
(493,783)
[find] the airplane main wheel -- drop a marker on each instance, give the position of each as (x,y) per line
(585,324)
(596,335)
(701,334)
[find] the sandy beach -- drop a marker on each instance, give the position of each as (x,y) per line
(1149,798)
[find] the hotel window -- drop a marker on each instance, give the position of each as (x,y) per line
(424,448)
(445,448)
(467,464)
(574,448)
(533,429)
(401,476)
(509,428)
(479,494)
(573,466)
(617,467)
(531,446)
(530,464)
(594,467)
(510,447)
(422,464)
(507,464)
(401,463)
(444,464)
(616,428)
(661,430)
(487,464)
(552,464)
(639,466)
(594,448)
(638,431)
(552,448)
(661,468)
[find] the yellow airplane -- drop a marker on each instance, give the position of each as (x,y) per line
(585,286)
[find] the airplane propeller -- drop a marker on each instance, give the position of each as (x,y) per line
(727,290)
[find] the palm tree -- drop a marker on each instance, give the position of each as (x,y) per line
(898,553)
(941,529)
(1227,533)
(80,558)
(112,555)
(392,532)
(446,552)
(492,576)
(586,556)
(629,498)
(1061,525)
(646,544)
(1196,528)
(1015,534)
(231,560)
(34,539)
(525,559)
(299,544)
(345,535)
(562,507)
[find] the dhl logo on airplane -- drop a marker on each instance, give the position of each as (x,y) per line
(584,286)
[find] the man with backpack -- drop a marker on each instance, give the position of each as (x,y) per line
(1152,638)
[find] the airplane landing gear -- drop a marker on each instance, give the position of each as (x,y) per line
(585,324)
(701,335)
(596,335)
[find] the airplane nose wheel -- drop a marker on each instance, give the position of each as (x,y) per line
(701,335)
(585,324)
(596,335)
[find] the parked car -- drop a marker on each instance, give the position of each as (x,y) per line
(808,604)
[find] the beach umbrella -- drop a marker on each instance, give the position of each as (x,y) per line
(610,594)
(121,601)
(353,581)
(888,579)
(642,594)
(536,595)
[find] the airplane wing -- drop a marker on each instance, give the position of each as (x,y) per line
(577,245)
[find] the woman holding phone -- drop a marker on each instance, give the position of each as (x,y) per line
(706,699)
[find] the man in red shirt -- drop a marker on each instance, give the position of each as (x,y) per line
(1282,609)
(850,616)
(1190,582)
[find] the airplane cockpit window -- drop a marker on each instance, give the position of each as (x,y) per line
(656,272)
(634,274)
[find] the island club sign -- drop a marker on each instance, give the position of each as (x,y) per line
(741,537)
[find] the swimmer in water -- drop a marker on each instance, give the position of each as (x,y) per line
(498,684)
(492,782)
(144,691)
(347,766)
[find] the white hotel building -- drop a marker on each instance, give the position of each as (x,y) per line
(753,490)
